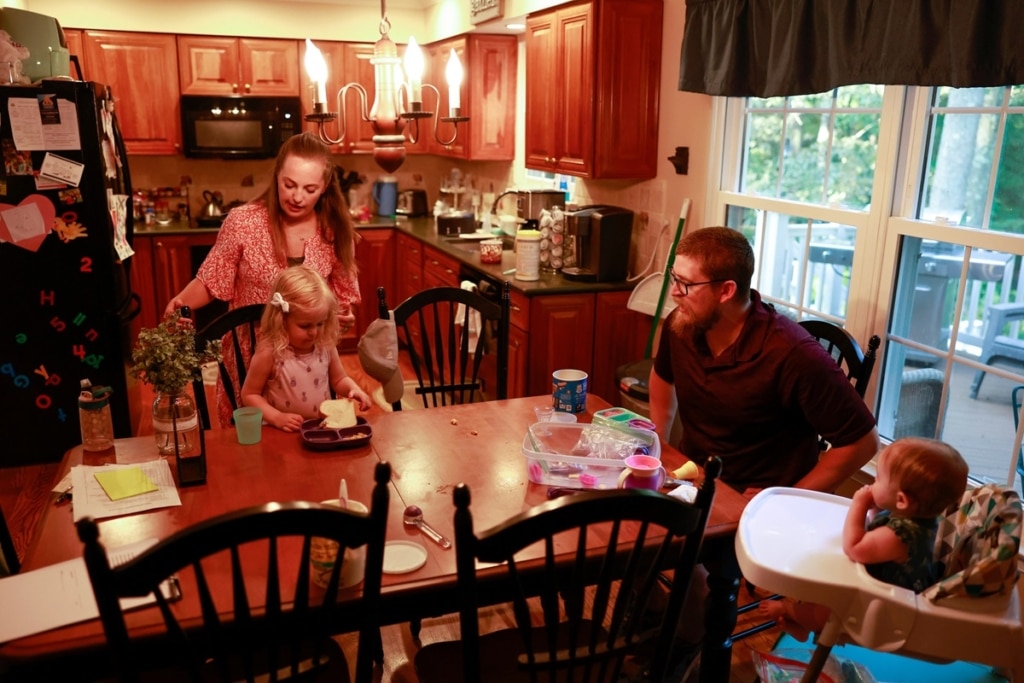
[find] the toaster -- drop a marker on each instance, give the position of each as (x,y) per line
(412,203)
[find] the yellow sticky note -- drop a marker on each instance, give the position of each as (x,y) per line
(125,482)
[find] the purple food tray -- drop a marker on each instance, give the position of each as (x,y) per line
(317,438)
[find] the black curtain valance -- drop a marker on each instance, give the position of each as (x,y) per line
(767,48)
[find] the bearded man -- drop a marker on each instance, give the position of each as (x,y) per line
(751,386)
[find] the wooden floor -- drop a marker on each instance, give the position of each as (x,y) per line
(24,491)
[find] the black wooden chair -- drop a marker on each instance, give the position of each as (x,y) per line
(237,328)
(259,548)
(845,350)
(9,562)
(433,326)
(595,608)
(858,366)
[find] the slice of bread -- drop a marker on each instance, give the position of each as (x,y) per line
(338,413)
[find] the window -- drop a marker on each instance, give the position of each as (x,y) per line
(896,210)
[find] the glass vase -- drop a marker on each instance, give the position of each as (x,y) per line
(175,414)
(176,424)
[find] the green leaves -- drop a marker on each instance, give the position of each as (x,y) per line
(166,356)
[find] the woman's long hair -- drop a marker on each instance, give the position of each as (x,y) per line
(333,219)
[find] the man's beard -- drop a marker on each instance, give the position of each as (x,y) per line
(695,328)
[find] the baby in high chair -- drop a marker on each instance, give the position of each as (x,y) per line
(891,524)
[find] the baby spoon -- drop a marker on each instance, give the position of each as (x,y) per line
(414,517)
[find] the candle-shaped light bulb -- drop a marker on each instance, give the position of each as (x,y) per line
(316,69)
(414,70)
(453,74)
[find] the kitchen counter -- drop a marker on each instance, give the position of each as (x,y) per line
(467,252)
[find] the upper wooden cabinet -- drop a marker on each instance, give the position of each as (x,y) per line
(73,37)
(142,72)
(212,65)
(593,72)
(488,97)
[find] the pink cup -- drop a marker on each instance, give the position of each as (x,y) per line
(642,472)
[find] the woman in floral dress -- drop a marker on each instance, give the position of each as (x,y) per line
(301,218)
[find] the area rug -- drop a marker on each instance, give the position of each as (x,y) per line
(890,668)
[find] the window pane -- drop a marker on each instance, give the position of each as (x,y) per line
(959,169)
(975,415)
(1008,203)
(819,149)
(801,261)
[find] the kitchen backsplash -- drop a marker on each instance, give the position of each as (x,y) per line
(242,180)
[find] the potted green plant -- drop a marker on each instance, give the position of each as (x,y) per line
(166,357)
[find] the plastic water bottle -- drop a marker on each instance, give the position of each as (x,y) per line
(94,417)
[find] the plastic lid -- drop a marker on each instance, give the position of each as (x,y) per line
(526,234)
(95,398)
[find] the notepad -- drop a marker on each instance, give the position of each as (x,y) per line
(125,482)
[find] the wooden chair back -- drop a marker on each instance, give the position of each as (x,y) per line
(435,327)
(846,352)
(266,551)
(594,607)
(237,329)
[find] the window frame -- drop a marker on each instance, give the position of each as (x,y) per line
(880,229)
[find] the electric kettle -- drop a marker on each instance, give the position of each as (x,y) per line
(212,208)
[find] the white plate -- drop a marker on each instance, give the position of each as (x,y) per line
(479,236)
(401,557)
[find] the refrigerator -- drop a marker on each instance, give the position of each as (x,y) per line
(65,255)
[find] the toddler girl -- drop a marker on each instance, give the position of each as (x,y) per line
(891,524)
(296,361)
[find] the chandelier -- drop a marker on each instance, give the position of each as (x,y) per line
(397,101)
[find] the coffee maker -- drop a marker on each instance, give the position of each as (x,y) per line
(599,237)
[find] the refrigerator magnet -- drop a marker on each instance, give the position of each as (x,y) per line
(65,170)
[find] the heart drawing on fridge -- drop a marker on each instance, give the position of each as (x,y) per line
(27,224)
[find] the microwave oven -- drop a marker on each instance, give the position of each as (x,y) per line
(237,127)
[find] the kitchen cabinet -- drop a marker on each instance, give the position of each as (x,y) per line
(439,269)
(163,265)
(375,256)
(214,65)
(73,37)
(346,63)
(409,270)
(620,337)
(142,72)
(561,336)
(488,97)
(601,119)
(144,284)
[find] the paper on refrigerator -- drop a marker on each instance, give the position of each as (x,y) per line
(90,500)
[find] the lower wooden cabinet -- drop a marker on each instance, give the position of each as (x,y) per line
(163,265)
(375,257)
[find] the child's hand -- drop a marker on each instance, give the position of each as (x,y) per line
(362,397)
(287,422)
(864,499)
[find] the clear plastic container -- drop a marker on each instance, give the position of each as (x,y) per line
(582,455)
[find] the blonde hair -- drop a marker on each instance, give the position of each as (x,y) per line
(931,473)
(305,292)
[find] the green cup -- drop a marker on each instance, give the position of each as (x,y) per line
(248,425)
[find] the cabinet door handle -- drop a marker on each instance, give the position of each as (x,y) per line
(234,87)
(248,88)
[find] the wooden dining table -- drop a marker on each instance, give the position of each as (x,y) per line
(430,453)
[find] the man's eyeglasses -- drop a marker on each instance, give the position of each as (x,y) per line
(684,287)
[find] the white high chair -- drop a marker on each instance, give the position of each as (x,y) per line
(790,541)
